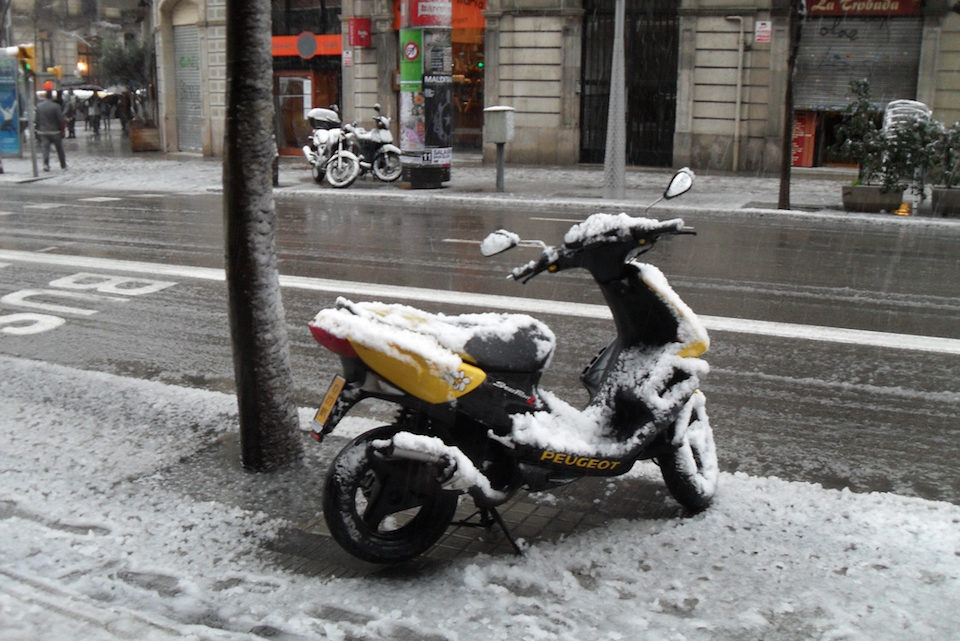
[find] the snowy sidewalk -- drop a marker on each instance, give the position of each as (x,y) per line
(124,514)
(106,164)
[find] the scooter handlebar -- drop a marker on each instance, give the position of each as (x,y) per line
(564,256)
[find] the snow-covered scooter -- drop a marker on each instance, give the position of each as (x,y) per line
(326,149)
(471,417)
(375,148)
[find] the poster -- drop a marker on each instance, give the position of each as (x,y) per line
(438,108)
(412,122)
(9,106)
(411,59)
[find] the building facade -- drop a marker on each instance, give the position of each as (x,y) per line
(706,79)
(67,33)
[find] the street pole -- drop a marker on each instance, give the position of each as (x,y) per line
(614,160)
(31,115)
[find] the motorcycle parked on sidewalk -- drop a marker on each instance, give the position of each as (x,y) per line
(375,148)
(472,418)
(326,150)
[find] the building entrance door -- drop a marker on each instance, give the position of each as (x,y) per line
(294,95)
(651,43)
(189,100)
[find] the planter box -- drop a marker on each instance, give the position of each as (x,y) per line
(870,198)
(144,138)
(945,202)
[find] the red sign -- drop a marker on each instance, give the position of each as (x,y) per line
(411,51)
(360,32)
(863,7)
(804,138)
(429,13)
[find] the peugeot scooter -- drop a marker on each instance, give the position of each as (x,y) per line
(471,418)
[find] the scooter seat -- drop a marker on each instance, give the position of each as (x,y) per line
(524,351)
(491,341)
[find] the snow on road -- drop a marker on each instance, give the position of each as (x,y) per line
(97,543)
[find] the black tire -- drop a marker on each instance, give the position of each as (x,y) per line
(387,167)
(342,170)
(690,471)
(384,511)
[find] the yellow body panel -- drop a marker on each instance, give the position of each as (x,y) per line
(419,378)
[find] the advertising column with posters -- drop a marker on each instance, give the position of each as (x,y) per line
(9,106)
(426,99)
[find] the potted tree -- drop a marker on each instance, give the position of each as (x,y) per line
(945,197)
(127,65)
(863,142)
(910,150)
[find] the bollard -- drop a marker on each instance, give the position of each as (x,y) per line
(498,129)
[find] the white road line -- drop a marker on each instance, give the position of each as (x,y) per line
(508,303)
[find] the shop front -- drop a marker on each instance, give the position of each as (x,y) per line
(306,74)
(844,40)
(467,36)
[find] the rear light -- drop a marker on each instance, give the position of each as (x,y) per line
(335,344)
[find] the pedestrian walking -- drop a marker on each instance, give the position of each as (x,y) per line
(70,113)
(124,112)
(50,129)
(94,108)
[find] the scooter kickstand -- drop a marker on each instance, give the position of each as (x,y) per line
(488,516)
(492,511)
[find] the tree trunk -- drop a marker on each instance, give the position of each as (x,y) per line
(794,29)
(268,413)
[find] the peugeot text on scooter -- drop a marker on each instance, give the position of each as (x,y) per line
(375,148)
(326,150)
(471,417)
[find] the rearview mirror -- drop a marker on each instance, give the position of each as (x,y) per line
(499,241)
(681,183)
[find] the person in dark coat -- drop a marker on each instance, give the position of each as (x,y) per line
(50,129)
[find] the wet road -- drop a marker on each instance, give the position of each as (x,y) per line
(843,414)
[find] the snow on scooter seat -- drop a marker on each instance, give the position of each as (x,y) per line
(440,340)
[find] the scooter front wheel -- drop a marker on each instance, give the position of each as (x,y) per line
(342,170)
(690,471)
(387,167)
(384,510)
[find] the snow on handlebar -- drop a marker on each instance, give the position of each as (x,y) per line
(600,230)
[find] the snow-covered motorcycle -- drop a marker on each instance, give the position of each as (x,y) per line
(375,148)
(471,417)
(327,149)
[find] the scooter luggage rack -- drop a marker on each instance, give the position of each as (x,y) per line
(487,516)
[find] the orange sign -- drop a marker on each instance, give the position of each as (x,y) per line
(307,45)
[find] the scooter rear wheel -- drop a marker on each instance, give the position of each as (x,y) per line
(382,510)
(690,471)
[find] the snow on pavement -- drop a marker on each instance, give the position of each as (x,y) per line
(98,544)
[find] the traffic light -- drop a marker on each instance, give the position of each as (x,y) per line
(56,71)
(27,56)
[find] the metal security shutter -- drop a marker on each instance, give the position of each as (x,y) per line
(835,50)
(186,47)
